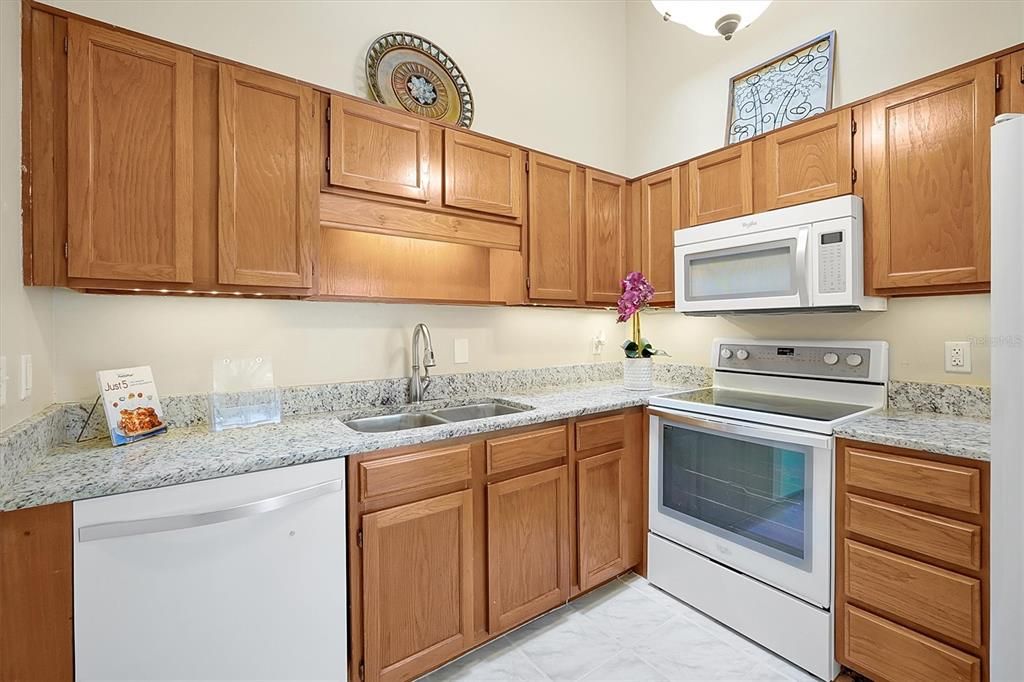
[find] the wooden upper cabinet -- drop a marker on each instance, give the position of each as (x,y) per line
(417,586)
(660,216)
(269,190)
(927,203)
(554,228)
(807,161)
(1012,72)
(377,150)
(602,517)
(606,234)
(721,185)
(482,175)
(129,157)
(527,546)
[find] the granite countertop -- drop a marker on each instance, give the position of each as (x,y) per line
(95,468)
(943,434)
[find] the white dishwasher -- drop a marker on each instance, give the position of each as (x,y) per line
(236,578)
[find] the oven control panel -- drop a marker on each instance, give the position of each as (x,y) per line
(823,359)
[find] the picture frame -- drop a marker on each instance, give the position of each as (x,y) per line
(790,87)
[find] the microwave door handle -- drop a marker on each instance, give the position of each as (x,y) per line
(801,264)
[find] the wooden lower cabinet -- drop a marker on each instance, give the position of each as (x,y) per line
(36,629)
(601,501)
(417,585)
(455,543)
(912,535)
(527,546)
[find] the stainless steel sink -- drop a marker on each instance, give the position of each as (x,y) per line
(476,411)
(445,415)
(394,422)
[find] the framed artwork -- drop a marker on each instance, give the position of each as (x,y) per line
(791,87)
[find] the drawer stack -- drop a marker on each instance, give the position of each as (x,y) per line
(911,564)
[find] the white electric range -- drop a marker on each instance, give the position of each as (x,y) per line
(742,487)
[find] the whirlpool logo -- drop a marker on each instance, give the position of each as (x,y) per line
(747,224)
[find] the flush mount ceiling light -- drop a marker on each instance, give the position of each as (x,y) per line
(711,17)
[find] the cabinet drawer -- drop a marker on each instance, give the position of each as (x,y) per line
(595,433)
(935,536)
(878,647)
(944,485)
(525,449)
(940,600)
(416,470)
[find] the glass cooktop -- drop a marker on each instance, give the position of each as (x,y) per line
(817,410)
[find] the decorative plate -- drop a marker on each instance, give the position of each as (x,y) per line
(407,71)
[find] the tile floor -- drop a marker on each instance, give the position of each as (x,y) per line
(626,630)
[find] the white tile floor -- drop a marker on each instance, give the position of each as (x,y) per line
(626,630)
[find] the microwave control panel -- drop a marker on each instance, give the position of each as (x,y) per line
(832,263)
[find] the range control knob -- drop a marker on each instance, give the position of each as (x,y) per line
(742,354)
(830,358)
(726,353)
(854,360)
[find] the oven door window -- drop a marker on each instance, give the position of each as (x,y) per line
(754,492)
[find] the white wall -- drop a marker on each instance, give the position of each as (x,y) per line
(545,73)
(551,75)
(677,91)
(26,315)
(678,85)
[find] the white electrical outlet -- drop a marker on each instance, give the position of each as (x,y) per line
(3,381)
(461,351)
(958,356)
(26,377)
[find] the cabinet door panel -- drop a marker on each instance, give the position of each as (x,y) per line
(927,204)
(379,151)
(721,185)
(129,157)
(809,161)
(268,212)
(554,229)
(1017,82)
(602,517)
(659,217)
(417,586)
(482,175)
(606,225)
(527,546)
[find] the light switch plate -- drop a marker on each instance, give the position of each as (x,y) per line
(461,351)
(3,381)
(958,357)
(26,377)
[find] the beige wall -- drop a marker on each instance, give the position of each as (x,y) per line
(547,74)
(310,342)
(26,315)
(678,90)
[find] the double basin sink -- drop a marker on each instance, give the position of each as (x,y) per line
(444,415)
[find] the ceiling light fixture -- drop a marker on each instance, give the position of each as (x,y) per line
(711,18)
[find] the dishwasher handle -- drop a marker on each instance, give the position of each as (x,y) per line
(160,524)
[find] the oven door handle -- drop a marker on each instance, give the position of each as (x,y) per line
(740,429)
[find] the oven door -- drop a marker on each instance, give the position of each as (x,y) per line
(761,271)
(755,498)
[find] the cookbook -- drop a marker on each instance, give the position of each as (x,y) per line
(131,404)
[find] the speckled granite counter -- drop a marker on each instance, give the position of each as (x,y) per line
(944,434)
(74,472)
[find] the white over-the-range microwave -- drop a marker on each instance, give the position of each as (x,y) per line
(807,258)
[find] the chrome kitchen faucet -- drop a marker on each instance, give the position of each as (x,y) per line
(418,384)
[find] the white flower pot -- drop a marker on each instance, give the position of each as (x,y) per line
(638,374)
